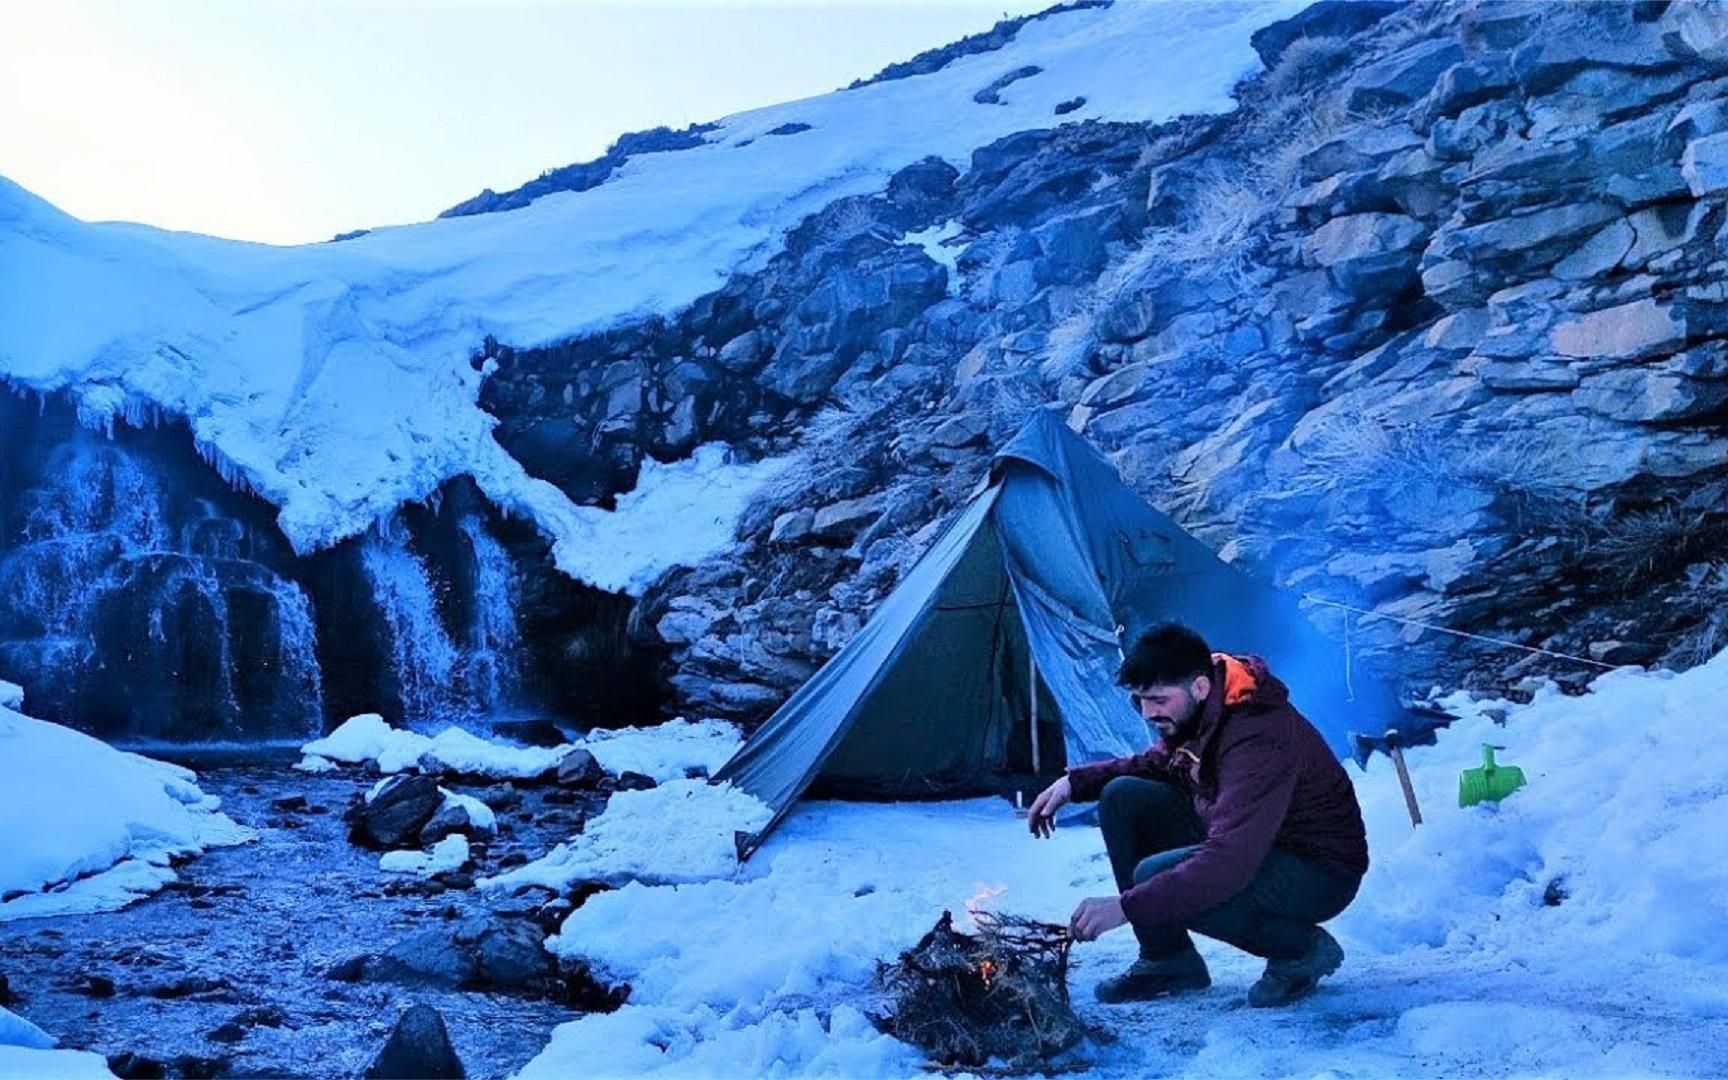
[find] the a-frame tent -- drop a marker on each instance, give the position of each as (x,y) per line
(1013,622)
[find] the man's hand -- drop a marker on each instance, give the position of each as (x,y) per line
(1041,819)
(1095,916)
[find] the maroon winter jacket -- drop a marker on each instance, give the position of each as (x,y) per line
(1260,776)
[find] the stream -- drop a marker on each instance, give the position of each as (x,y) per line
(227,971)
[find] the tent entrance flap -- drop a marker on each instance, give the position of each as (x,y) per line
(953,716)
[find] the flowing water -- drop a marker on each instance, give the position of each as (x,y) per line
(227,970)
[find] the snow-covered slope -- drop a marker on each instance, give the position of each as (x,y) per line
(335,379)
(88,827)
(1572,930)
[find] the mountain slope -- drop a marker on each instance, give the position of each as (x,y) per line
(339,381)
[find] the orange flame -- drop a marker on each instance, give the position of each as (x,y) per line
(976,906)
(985,971)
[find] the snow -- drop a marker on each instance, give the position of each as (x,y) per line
(11,696)
(20,1063)
(27,1053)
(17,1031)
(678,832)
(335,379)
(1455,966)
(665,751)
(447,855)
(480,815)
(88,827)
(367,737)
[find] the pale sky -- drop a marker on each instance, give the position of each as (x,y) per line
(289,121)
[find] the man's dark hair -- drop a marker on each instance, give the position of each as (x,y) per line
(1169,654)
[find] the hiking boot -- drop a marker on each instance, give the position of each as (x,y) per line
(1157,977)
(1289,980)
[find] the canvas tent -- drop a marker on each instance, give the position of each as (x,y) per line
(995,658)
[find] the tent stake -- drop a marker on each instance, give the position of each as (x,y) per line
(1032,668)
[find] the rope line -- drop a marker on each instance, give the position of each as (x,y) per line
(1367,613)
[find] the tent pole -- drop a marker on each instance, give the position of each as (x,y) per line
(1032,667)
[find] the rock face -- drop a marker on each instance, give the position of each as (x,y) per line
(1438,332)
(418,1049)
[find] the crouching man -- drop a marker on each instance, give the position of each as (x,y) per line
(1239,823)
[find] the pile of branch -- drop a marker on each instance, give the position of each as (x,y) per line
(999,996)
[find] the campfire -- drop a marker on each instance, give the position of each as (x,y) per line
(998,996)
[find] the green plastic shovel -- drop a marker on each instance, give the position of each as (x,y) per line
(1491,782)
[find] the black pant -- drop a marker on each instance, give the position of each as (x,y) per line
(1150,826)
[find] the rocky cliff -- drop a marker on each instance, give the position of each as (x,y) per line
(1432,325)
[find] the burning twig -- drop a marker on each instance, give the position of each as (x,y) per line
(1000,995)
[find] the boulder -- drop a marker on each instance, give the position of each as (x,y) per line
(635,781)
(580,769)
(470,818)
(1368,254)
(842,521)
(1404,77)
(393,817)
(793,527)
(483,952)
(418,1049)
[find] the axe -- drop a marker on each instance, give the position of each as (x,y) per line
(1393,744)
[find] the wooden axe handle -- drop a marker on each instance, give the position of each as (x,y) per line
(1397,753)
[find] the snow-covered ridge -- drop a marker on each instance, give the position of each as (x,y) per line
(336,379)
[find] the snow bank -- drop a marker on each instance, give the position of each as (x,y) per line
(27,1053)
(1623,814)
(335,379)
(680,831)
(665,751)
(1455,966)
(89,828)
(367,737)
(447,855)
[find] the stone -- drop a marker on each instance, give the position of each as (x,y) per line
(635,781)
(1632,331)
(1654,394)
(1547,61)
(1402,78)
(1623,652)
(393,817)
(483,952)
(843,521)
(1599,255)
(1537,229)
(1120,387)
(793,527)
(418,1049)
(579,769)
(1128,319)
(453,818)
(1360,149)
(1704,164)
(1367,254)
(744,353)
(1466,84)
(1528,376)
(923,183)
(959,431)
(1696,31)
